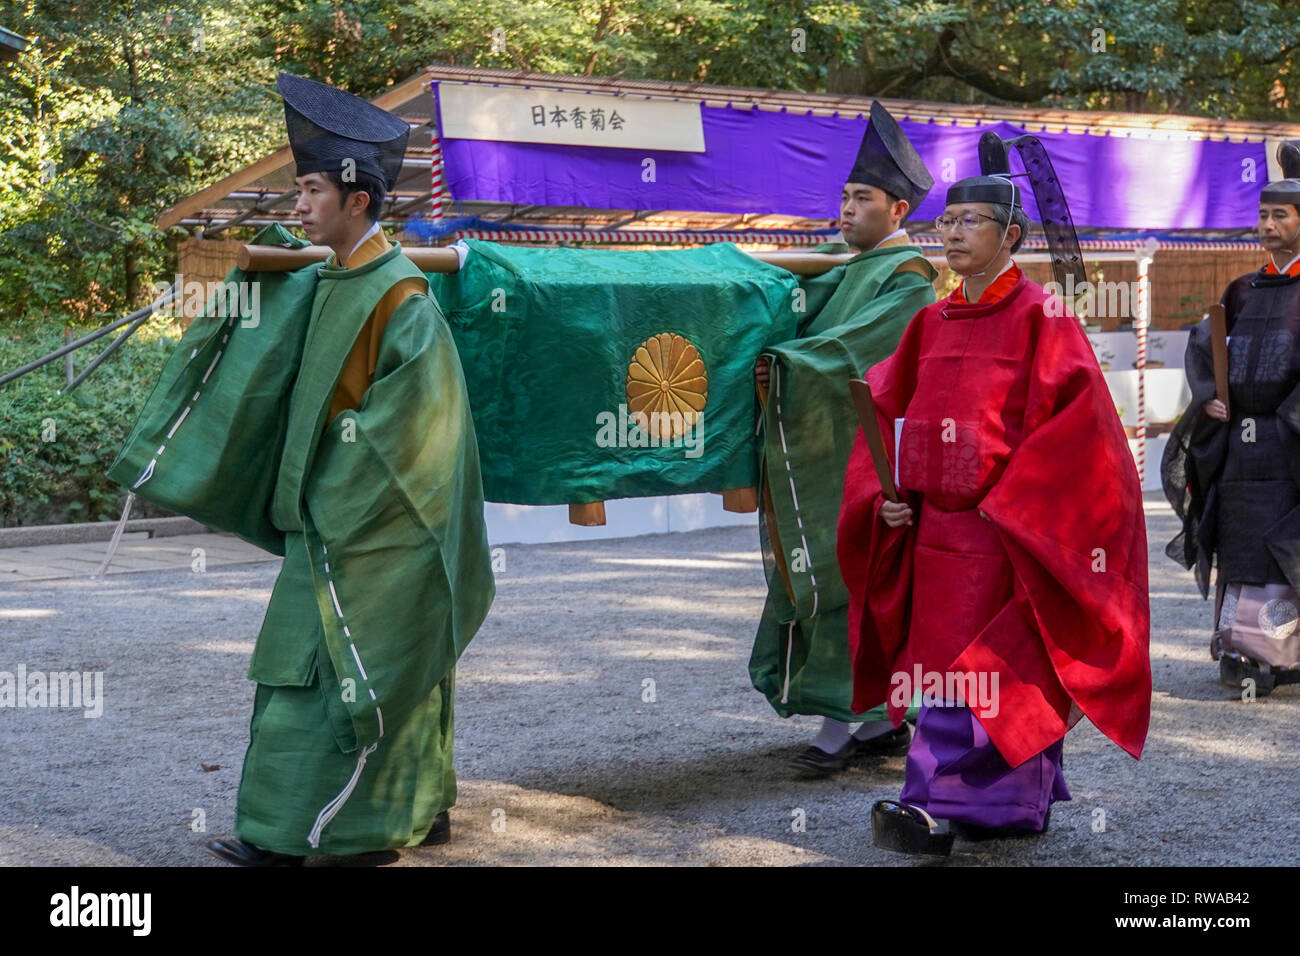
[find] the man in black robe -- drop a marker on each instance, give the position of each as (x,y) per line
(1232,471)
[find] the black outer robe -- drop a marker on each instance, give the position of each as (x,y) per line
(1236,485)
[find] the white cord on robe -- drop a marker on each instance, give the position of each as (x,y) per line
(117,534)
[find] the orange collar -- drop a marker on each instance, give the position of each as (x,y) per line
(997,289)
(372,248)
(1292,270)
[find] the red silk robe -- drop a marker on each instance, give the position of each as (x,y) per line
(1008,418)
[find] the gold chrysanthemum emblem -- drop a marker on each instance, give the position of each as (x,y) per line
(667,383)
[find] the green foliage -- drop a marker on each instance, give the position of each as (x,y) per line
(101,133)
(55,448)
(1207,57)
(1204,57)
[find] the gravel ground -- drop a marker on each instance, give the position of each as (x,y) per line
(562,761)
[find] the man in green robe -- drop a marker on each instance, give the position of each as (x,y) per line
(337,432)
(856,314)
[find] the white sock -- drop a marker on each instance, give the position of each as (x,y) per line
(872,729)
(834,735)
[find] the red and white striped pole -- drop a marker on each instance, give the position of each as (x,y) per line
(438,184)
(1145,253)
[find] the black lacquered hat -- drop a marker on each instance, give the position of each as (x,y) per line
(1285,190)
(995,186)
(332,130)
(888,160)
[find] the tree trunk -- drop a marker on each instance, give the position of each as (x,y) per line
(132,274)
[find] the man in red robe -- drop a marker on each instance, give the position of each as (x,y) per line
(1008,585)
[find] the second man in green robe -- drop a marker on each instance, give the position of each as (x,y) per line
(855,315)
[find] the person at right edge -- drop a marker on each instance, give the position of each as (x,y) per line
(1232,472)
(1011,579)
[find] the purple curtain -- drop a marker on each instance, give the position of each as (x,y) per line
(794,164)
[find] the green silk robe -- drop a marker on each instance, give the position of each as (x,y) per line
(856,314)
(379,513)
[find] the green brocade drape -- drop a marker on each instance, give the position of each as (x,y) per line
(856,314)
(547,337)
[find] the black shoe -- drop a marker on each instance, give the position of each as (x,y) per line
(815,763)
(977,834)
(234,850)
(440,832)
(904,828)
(1286,675)
(1234,668)
(891,744)
(1227,672)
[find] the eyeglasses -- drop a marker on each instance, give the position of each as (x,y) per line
(968,221)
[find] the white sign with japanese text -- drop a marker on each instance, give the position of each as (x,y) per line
(517,115)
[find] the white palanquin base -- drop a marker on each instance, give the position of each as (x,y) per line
(624,517)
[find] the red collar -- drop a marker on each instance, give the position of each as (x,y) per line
(1292,270)
(997,289)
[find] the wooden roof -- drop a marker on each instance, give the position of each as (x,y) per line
(259,193)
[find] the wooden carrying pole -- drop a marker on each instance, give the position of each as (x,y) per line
(428,259)
(866,407)
(1219,351)
(587,514)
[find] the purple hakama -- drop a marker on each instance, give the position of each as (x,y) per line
(955,773)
